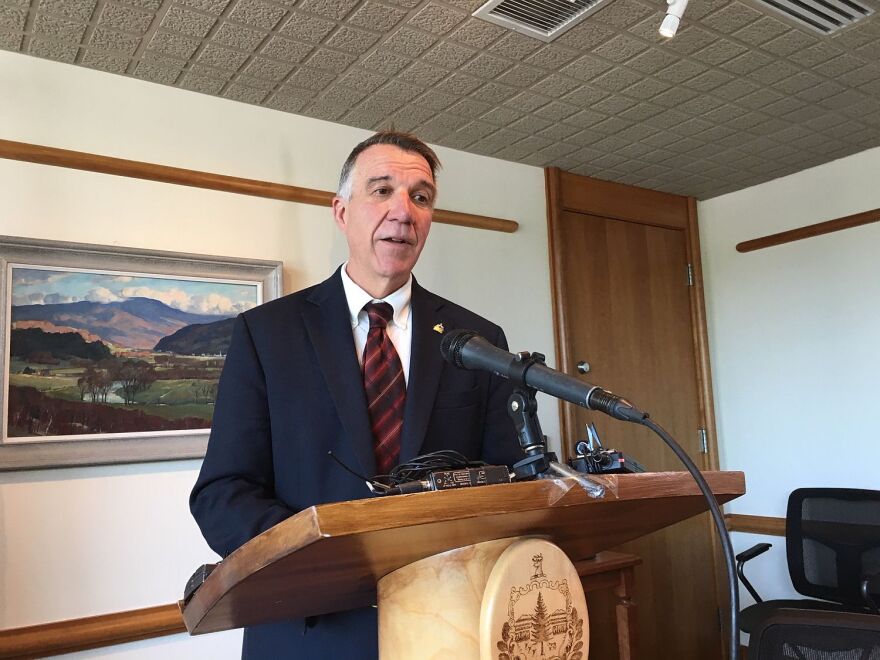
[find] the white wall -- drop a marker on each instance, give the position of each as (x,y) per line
(85,541)
(793,335)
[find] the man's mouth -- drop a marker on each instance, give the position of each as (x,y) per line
(396,241)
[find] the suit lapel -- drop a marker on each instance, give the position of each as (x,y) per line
(328,324)
(425,366)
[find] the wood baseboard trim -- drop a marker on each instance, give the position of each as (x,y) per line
(838,224)
(90,632)
(737,522)
(78,160)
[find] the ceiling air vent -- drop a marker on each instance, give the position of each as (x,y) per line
(542,19)
(824,16)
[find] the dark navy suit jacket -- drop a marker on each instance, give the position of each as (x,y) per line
(291,391)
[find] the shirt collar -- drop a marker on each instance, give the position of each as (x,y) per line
(357,298)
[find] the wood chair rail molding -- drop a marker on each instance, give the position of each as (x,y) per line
(33,153)
(91,632)
(123,627)
(769,525)
(838,224)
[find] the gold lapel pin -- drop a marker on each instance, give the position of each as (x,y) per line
(438,328)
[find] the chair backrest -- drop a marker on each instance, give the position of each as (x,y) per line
(832,540)
(816,635)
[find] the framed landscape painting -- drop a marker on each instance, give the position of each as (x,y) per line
(113,355)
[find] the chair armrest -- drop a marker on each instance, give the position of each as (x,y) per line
(742,558)
(754,551)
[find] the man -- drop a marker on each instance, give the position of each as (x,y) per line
(315,372)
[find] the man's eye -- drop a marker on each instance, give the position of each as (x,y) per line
(421,198)
(382,191)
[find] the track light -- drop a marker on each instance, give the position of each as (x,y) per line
(669,26)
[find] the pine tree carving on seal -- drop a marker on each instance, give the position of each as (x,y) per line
(542,623)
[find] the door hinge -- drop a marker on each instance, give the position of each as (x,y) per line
(690,275)
(704,442)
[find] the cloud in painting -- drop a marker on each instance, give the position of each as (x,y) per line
(101,294)
(212,303)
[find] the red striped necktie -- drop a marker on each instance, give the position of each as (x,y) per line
(385,387)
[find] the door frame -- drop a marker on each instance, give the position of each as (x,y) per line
(583,194)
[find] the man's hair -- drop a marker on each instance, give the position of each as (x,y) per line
(405,141)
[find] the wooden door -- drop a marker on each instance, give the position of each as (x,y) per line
(623,285)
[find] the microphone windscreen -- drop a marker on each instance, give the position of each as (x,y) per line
(452,343)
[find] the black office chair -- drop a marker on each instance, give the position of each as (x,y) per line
(816,635)
(832,542)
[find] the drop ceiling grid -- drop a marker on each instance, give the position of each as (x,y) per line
(737,98)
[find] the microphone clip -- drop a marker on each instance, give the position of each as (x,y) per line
(522,407)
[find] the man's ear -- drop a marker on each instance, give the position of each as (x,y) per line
(340,207)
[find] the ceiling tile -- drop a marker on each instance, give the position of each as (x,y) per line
(531,124)
(437,18)
(587,95)
(215,7)
(263,67)
(376,16)
(286,50)
(59,28)
(121,42)
(709,80)
(449,54)
(585,36)
(244,93)
(681,71)
(556,86)
(810,57)
(556,110)
(718,52)
(689,40)
(363,80)
(96,59)
(79,10)
(330,60)
(385,62)
(652,61)
(559,131)
(257,14)
(551,57)
(156,73)
(477,33)
(527,101)
(408,118)
(238,36)
(586,68)
(789,42)
(352,40)
(731,18)
(515,46)
(411,42)
(502,116)
(620,48)
(623,13)
(424,74)
(494,92)
(616,79)
(321,109)
(328,9)
(522,75)
(747,62)
(222,57)
(486,66)
(761,31)
(797,83)
(435,100)
(308,29)
(175,45)
(459,84)
(315,79)
(469,108)
(137,21)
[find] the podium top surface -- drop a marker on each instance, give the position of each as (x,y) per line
(329,557)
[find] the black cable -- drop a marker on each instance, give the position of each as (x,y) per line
(721,528)
(421,466)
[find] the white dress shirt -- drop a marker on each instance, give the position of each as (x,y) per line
(399,329)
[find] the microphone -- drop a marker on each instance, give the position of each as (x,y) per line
(468,350)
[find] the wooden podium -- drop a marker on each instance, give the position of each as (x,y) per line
(331,557)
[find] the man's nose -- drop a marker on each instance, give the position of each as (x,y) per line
(401,208)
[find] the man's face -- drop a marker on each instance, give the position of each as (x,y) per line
(387,219)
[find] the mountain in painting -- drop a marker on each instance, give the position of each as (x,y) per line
(132,323)
(199,339)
